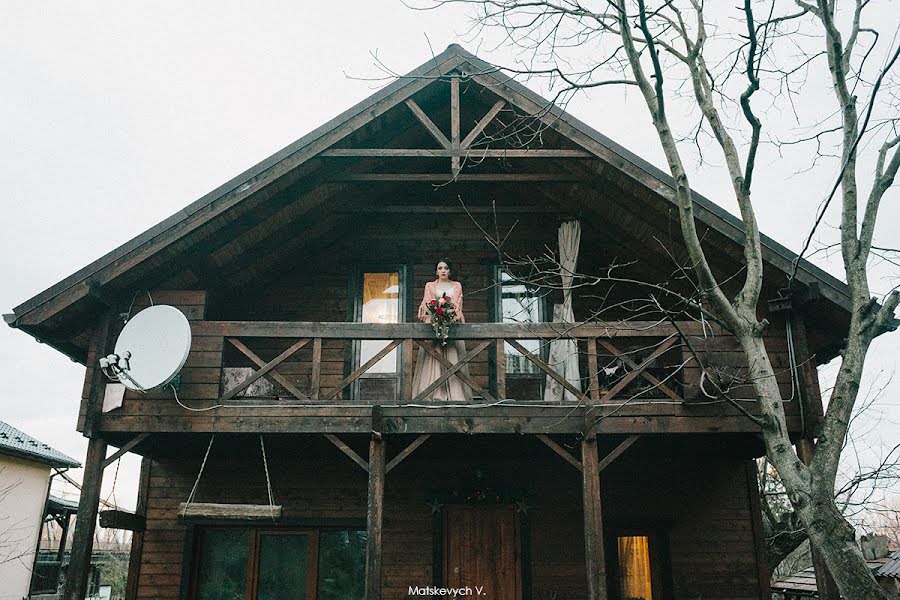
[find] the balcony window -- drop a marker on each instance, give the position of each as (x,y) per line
(518,302)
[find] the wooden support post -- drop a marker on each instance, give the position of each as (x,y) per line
(315,377)
(374,517)
(501,369)
(595,561)
(408,353)
(824,581)
(99,345)
(593,371)
(63,536)
(454,124)
(86,522)
(137,538)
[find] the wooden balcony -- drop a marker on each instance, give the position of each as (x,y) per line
(636,377)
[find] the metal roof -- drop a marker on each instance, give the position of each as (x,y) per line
(56,505)
(891,568)
(21,445)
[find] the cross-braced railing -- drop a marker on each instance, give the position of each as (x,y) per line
(316,362)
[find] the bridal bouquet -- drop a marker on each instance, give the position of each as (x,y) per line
(442,314)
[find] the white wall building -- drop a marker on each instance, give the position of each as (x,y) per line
(25,468)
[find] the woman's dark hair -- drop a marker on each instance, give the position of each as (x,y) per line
(446,261)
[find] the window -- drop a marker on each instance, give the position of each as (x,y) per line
(517,302)
(239,563)
(379,298)
(633,555)
(637,565)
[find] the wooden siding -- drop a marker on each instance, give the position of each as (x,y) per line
(691,491)
(312,284)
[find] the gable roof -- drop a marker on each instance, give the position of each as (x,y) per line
(21,445)
(37,309)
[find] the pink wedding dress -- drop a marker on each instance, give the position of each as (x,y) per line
(428,368)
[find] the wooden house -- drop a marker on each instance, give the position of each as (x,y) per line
(296,462)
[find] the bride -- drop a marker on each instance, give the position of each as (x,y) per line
(428,369)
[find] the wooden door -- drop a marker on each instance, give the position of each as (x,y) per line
(482,551)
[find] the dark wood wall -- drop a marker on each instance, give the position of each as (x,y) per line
(692,492)
(314,284)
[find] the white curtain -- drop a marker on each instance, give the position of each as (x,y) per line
(564,352)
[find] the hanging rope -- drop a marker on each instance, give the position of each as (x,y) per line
(262,446)
(202,466)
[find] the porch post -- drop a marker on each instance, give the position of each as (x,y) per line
(86,521)
(595,561)
(374,517)
(824,581)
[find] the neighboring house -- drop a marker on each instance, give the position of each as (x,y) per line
(25,468)
(296,460)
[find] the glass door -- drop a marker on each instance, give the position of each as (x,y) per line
(379,300)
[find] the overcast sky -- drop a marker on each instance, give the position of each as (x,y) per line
(116,115)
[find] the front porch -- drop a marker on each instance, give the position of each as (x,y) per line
(504,512)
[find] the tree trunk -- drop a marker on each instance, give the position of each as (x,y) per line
(811,495)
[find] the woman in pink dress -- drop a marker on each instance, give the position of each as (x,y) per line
(428,369)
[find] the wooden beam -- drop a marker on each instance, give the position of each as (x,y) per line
(595,561)
(451,153)
(125,449)
(463,177)
(454,124)
(500,364)
(86,521)
(374,517)
(479,127)
(100,343)
(122,519)
(210,510)
(593,371)
(137,538)
(315,376)
(759,536)
(347,450)
(561,451)
(263,370)
(617,452)
(443,210)
(406,452)
(428,123)
(423,331)
(284,381)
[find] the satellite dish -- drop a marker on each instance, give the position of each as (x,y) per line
(152,348)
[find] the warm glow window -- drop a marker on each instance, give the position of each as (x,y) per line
(379,300)
(635,577)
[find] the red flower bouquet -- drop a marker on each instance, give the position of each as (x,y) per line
(442,314)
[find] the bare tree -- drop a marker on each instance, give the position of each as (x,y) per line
(728,68)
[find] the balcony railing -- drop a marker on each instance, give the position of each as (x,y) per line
(309,362)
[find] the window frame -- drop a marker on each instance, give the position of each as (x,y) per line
(496,314)
(354,315)
(194,541)
(658,550)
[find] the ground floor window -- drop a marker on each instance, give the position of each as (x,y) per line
(638,562)
(634,567)
(243,563)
